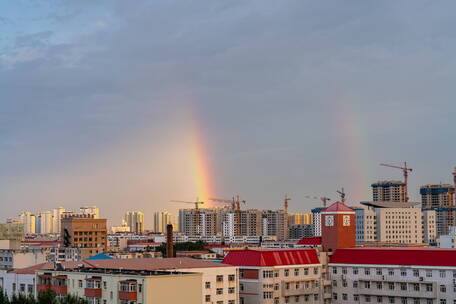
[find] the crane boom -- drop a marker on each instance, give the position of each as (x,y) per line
(323,198)
(235,203)
(405,171)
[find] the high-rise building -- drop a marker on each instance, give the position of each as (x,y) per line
(93,211)
(275,224)
(56,218)
(251,222)
(135,220)
(388,191)
(44,222)
(299,218)
(202,222)
(89,234)
(316,220)
(28,220)
(161,219)
(440,198)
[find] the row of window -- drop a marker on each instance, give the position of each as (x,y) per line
(286,272)
(392,271)
(391,300)
(392,286)
(207,299)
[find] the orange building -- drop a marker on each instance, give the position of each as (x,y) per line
(338,227)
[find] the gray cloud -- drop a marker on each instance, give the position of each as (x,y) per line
(290,94)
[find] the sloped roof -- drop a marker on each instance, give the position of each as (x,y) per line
(100,256)
(395,256)
(271,257)
(315,240)
(338,207)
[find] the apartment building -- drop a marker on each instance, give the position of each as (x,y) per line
(388,191)
(217,285)
(300,231)
(316,220)
(135,220)
(275,223)
(251,222)
(440,198)
(89,234)
(21,258)
(107,285)
(300,218)
(202,222)
(161,219)
(393,275)
(279,276)
(394,222)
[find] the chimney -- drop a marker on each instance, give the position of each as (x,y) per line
(169,241)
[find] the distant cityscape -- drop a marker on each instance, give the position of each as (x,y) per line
(335,253)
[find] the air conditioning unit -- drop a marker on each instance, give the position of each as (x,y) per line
(421,279)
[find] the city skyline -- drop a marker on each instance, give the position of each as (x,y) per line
(216,99)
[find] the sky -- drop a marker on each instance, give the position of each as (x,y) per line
(130,104)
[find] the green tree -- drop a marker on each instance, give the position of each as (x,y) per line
(22,299)
(3,297)
(71,299)
(46,297)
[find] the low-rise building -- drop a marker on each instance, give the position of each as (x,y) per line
(279,276)
(20,258)
(107,285)
(393,275)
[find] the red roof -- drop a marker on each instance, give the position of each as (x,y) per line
(395,256)
(338,206)
(272,257)
(316,240)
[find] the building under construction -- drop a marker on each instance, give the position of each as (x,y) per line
(440,197)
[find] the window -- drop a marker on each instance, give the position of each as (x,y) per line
(334,283)
(80,283)
(403,286)
(296,272)
(416,301)
(267,295)
(355,270)
(219,278)
(442,301)
(276,286)
(231,301)
(391,286)
(268,274)
(296,299)
(334,296)
(208,298)
(287,272)
(297,285)
(416,273)
(379,285)
(231,277)
(344,270)
(367,271)
(428,287)
(442,288)
(355,284)
(378,271)
(344,297)
(416,287)
(306,271)
(391,300)
(276,300)
(287,285)
(344,283)
(367,284)
(315,270)
(287,299)
(429,301)
(207,285)
(442,273)
(403,300)
(105,285)
(231,290)
(391,271)
(241,300)
(241,287)
(379,299)
(30,288)
(355,297)
(428,273)
(219,291)
(334,270)
(403,272)
(367,299)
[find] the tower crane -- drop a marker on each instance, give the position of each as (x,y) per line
(235,203)
(405,171)
(285,202)
(323,199)
(197,212)
(342,195)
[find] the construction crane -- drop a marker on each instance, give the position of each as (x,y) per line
(285,202)
(323,199)
(235,203)
(197,212)
(342,195)
(405,171)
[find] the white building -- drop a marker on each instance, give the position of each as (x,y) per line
(393,275)
(17,281)
(316,220)
(56,219)
(228,224)
(46,222)
(93,211)
(448,240)
(17,258)
(28,220)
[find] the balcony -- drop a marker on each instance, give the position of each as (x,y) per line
(128,295)
(59,290)
(299,291)
(92,292)
(43,287)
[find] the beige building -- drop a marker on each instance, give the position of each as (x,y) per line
(440,198)
(123,286)
(397,223)
(135,220)
(161,219)
(217,283)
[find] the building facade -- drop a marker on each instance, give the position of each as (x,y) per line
(161,219)
(388,191)
(440,198)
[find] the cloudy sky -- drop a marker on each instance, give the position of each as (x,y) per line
(101,101)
